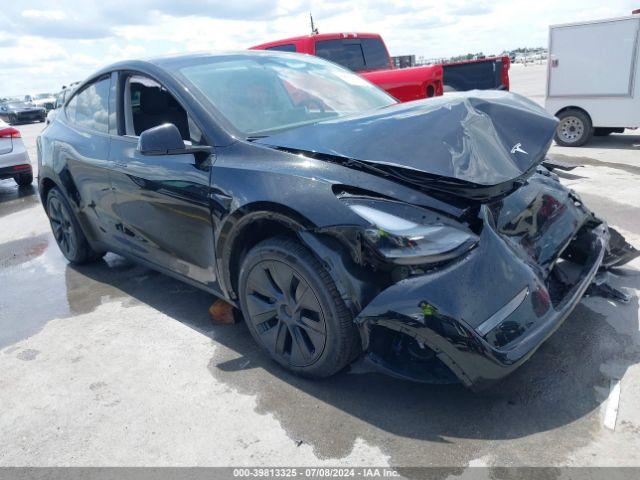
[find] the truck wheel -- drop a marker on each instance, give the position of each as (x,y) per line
(574,130)
(294,311)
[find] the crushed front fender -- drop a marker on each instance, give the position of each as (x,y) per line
(442,312)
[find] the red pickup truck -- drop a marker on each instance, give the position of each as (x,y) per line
(367,54)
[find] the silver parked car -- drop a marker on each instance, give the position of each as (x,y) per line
(14,158)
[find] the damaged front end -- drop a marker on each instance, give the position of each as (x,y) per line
(468,293)
(477,302)
(486,312)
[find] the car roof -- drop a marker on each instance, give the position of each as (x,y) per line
(184,58)
(168,61)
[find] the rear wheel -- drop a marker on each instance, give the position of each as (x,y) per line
(66,230)
(574,130)
(24,179)
(294,311)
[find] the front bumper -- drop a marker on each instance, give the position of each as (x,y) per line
(438,309)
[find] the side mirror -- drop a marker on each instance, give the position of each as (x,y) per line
(161,140)
(166,140)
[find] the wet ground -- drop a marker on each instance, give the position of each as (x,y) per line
(114,364)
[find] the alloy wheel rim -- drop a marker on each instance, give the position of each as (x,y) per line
(285,313)
(62,226)
(571,129)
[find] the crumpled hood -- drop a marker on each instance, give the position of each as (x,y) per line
(485,138)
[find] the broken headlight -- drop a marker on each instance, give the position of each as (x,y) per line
(408,235)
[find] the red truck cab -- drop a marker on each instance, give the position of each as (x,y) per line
(367,54)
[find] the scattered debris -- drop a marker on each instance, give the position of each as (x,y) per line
(222,313)
(553,164)
(620,251)
(600,287)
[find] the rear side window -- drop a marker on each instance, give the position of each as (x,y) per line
(375,54)
(289,47)
(347,53)
(355,53)
(90,107)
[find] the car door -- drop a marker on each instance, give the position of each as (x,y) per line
(163,200)
(81,157)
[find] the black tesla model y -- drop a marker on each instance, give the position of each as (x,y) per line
(428,236)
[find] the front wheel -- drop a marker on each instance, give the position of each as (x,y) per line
(574,130)
(294,311)
(66,230)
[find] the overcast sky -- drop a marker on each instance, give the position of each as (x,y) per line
(45,44)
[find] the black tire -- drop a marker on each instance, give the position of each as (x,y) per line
(24,179)
(575,128)
(12,119)
(67,232)
(294,311)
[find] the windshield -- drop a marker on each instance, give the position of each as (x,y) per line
(263,94)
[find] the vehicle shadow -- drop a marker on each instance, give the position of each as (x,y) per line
(615,141)
(14,198)
(565,381)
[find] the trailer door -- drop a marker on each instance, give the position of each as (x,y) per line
(593,59)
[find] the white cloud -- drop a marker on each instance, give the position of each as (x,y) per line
(48,44)
(48,14)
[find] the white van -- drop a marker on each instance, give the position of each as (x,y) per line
(593,78)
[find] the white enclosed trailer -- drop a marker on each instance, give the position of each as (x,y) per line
(593,78)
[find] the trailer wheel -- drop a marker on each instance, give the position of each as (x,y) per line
(575,128)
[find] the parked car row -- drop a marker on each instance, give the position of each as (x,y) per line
(44,100)
(38,107)
(15,112)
